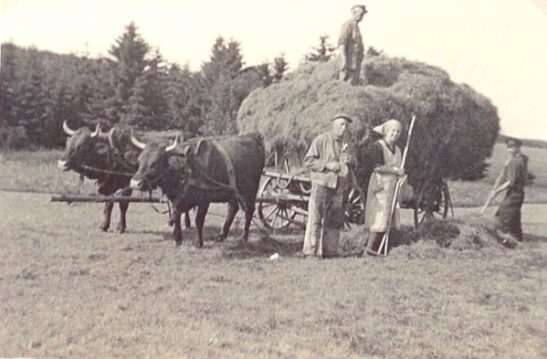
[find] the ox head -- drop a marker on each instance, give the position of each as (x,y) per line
(86,149)
(153,163)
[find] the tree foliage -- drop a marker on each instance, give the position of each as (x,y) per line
(322,53)
(134,86)
(227,84)
(280,67)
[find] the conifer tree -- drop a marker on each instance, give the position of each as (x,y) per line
(129,53)
(322,53)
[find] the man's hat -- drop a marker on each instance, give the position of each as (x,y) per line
(513,142)
(342,115)
(362,7)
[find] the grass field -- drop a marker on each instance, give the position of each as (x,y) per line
(68,290)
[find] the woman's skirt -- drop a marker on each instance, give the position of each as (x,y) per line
(509,215)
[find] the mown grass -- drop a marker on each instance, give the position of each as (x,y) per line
(68,290)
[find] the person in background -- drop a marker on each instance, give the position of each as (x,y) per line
(329,159)
(513,179)
(385,159)
(350,45)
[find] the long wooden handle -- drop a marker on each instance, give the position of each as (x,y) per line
(492,194)
(489,200)
(407,145)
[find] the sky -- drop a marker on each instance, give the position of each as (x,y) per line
(499,47)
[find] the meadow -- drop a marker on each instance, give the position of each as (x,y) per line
(68,290)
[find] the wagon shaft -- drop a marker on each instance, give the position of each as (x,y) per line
(282,198)
(109,199)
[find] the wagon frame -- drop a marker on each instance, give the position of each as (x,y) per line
(283,198)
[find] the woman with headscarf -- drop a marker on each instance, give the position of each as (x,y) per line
(385,159)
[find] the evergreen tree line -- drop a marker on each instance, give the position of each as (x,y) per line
(134,86)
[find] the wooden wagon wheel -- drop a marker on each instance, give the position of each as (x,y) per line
(354,211)
(275,215)
(433,202)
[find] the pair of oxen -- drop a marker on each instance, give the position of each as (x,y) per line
(192,173)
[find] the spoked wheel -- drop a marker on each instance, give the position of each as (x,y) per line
(354,211)
(432,203)
(275,214)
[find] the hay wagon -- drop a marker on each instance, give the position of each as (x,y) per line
(283,199)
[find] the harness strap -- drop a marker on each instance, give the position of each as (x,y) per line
(227,162)
(90,168)
(231,186)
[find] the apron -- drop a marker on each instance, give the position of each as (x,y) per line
(381,188)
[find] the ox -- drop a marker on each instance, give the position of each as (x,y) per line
(110,158)
(201,171)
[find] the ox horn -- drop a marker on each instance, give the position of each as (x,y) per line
(67,129)
(97,130)
(137,143)
(172,146)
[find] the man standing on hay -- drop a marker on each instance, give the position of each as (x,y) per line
(350,45)
(512,178)
(329,158)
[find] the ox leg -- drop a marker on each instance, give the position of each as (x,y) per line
(123,211)
(107,212)
(187,222)
(177,231)
(200,221)
(248,219)
(233,207)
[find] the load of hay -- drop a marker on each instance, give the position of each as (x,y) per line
(455,129)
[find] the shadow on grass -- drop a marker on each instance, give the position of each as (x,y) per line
(263,247)
(261,243)
(528,237)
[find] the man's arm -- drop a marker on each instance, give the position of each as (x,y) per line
(343,64)
(313,159)
(345,36)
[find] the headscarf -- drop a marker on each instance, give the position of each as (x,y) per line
(384,127)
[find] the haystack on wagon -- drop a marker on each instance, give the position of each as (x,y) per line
(455,130)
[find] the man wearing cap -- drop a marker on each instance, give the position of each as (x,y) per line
(350,45)
(512,178)
(328,159)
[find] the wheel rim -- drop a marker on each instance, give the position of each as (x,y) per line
(429,207)
(355,209)
(274,215)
